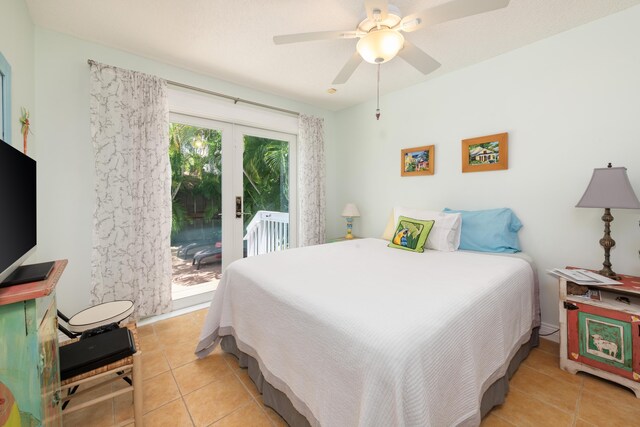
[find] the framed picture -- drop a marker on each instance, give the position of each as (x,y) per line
(417,161)
(485,153)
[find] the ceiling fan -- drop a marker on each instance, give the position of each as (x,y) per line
(380,33)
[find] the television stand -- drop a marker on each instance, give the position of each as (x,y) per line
(29,273)
(28,330)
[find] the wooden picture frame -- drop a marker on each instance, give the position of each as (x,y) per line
(485,153)
(417,161)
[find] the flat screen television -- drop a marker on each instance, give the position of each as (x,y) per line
(17,208)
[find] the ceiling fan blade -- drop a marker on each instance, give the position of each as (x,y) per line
(418,58)
(449,11)
(348,69)
(381,5)
(319,35)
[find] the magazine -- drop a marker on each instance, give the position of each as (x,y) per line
(582,277)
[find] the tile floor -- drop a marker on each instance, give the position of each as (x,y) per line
(180,390)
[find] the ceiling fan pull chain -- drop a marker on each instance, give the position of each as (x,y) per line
(378,96)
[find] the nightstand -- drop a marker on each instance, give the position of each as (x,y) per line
(600,331)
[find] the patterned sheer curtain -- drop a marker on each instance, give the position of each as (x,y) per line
(311,180)
(131,257)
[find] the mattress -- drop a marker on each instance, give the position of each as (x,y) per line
(358,334)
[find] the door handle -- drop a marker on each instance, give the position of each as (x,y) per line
(238,207)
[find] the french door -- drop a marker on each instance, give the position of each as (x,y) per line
(234,195)
(264,191)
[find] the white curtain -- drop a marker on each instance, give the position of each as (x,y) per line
(131,257)
(311,180)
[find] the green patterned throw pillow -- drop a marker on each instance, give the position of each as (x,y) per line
(411,234)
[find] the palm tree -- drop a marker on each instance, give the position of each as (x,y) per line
(194,155)
(266,175)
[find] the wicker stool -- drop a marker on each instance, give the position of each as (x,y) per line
(129,366)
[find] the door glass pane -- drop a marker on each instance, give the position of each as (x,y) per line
(266,195)
(196,192)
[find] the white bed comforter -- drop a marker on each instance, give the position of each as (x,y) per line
(358,334)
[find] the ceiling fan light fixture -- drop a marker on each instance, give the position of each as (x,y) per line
(380,46)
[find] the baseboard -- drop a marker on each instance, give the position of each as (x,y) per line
(546,329)
(174,313)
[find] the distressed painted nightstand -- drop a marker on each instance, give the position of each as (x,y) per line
(600,332)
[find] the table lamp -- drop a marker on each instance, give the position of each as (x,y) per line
(609,188)
(350,211)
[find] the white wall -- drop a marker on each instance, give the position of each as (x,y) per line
(570,104)
(66,184)
(16,44)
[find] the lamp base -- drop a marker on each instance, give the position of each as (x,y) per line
(607,243)
(349,228)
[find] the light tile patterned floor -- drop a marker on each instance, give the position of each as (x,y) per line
(180,390)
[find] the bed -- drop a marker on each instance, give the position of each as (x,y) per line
(358,334)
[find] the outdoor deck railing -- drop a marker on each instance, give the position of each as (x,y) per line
(267,232)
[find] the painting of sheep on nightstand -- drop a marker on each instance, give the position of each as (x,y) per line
(604,340)
(602,344)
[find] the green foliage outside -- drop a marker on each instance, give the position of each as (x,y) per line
(265,175)
(195,155)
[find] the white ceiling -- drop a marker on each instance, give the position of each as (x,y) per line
(232,39)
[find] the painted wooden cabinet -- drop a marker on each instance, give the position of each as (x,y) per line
(29,368)
(600,331)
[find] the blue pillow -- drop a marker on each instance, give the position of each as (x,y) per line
(491,230)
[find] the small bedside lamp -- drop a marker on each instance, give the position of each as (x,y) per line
(609,188)
(350,211)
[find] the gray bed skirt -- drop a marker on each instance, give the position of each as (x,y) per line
(280,403)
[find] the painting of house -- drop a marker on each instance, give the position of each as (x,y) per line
(485,153)
(416,161)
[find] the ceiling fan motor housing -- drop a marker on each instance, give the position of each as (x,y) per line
(391,20)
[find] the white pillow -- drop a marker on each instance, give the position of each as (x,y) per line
(445,234)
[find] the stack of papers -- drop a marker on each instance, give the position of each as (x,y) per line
(583,277)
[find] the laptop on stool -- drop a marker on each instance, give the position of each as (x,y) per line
(95,351)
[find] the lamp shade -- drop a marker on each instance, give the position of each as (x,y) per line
(609,188)
(380,45)
(350,210)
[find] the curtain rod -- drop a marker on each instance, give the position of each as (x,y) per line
(222,95)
